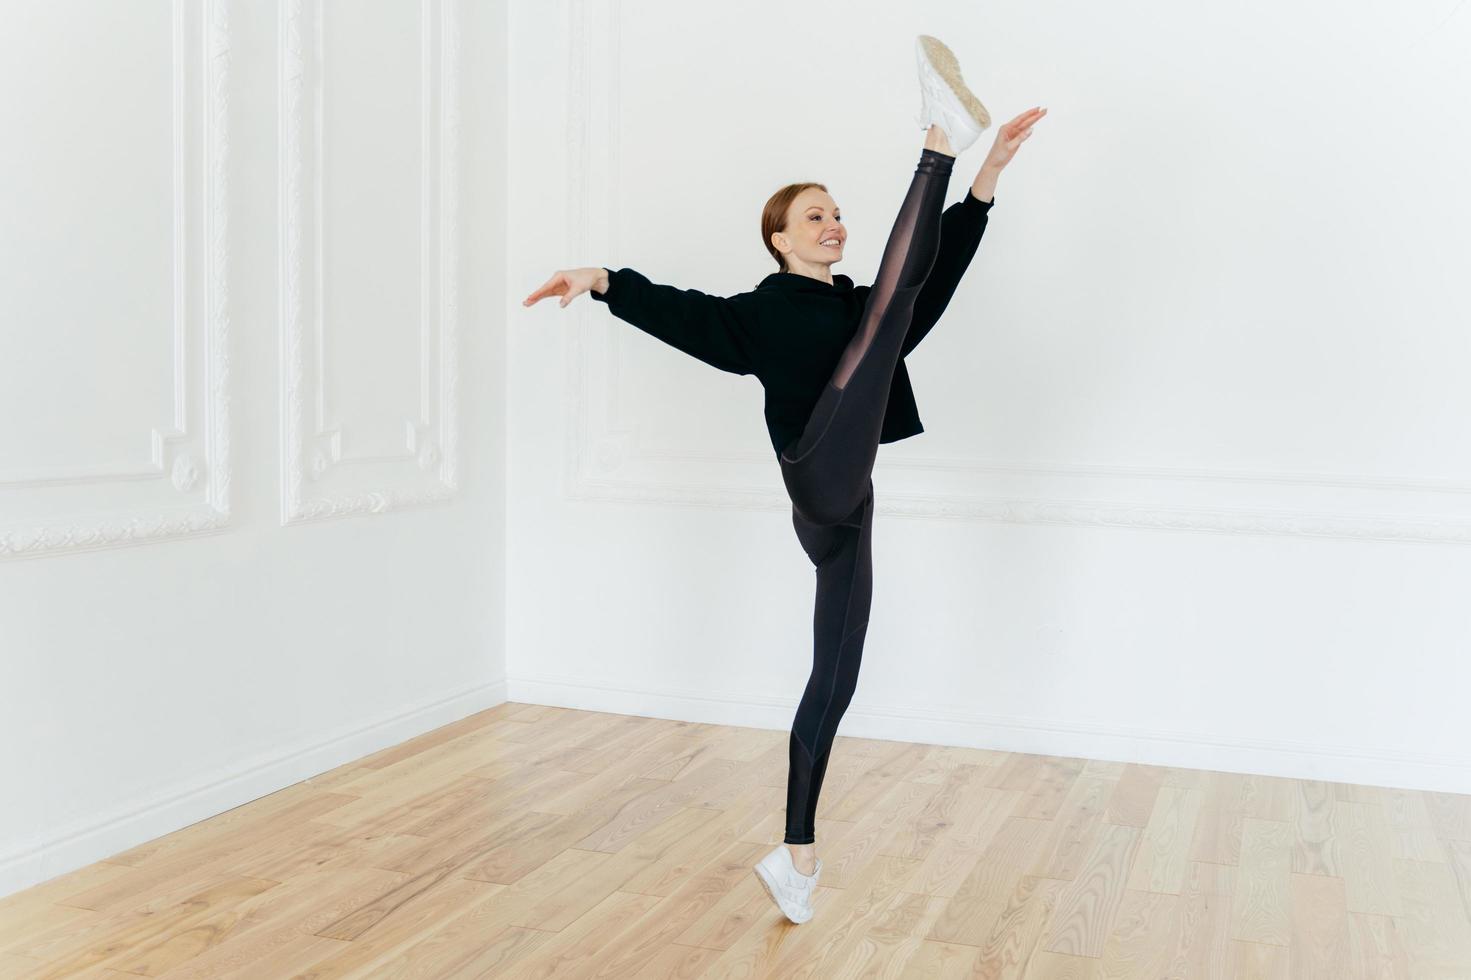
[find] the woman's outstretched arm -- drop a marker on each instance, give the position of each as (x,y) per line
(719,330)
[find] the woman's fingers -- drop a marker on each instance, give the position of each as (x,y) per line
(1013,134)
(1021,126)
(1028,117)
(550,288)
(1022,123)
(1027,120)
(572,294)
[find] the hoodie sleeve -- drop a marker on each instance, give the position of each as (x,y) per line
(961,227)
(719,330)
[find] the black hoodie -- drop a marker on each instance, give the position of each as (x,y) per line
(791,329)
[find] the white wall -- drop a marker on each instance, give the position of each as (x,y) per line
(251,489)
(1196,487)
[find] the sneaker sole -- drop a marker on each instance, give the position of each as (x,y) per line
(943,60)
(760,874)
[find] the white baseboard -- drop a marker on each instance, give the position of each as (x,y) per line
(1187,750)
(56,851)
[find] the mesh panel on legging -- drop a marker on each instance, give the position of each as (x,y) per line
(826,468)
(908,256)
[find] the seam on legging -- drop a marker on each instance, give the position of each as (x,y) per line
(830,416)
(810,755)
(827,705)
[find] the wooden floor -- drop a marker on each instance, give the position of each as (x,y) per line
(528,841)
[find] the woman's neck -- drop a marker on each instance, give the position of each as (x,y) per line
(822,273)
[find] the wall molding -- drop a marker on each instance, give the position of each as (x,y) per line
(608,460)
(318,481)
(183,487)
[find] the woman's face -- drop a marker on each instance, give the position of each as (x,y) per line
(814,229)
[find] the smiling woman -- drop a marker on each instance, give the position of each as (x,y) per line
(820,224)
(830,356)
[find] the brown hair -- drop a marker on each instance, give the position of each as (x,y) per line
(774,215)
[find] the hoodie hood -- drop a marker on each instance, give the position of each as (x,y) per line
(796,282)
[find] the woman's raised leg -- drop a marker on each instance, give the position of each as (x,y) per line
(828,467)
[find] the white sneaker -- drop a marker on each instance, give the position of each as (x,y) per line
(945,99)
(789,888)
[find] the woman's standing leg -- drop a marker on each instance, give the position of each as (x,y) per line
(828,467)
(829,475)
(842,555)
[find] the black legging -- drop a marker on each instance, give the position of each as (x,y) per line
(828,471)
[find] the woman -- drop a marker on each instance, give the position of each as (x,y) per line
(830,357)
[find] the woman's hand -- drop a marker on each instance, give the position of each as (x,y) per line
(571,283)
(1011,136)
